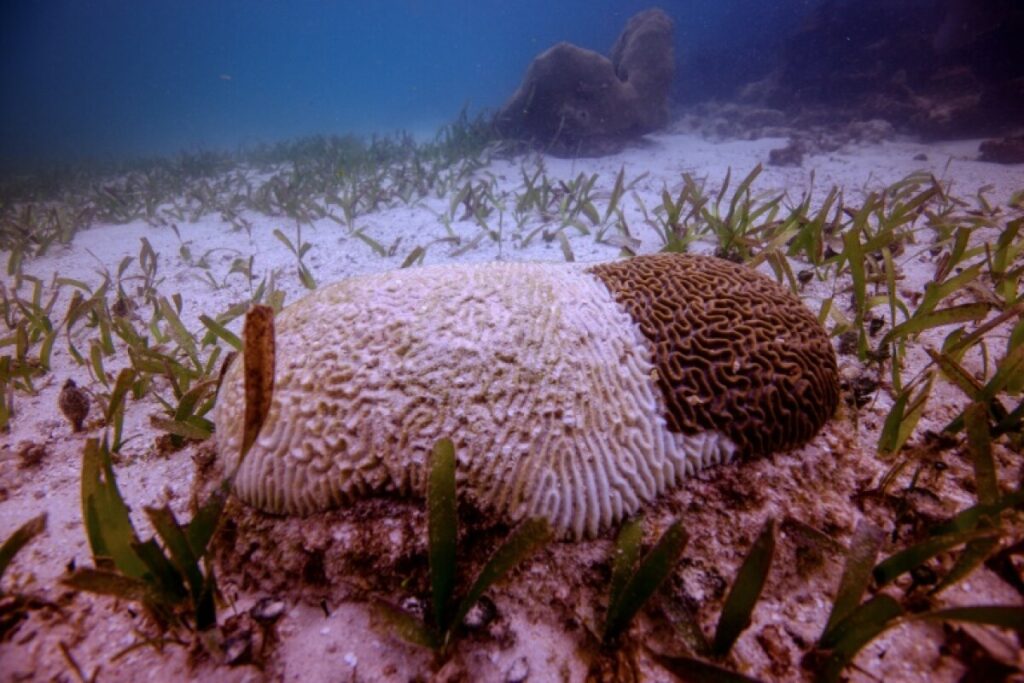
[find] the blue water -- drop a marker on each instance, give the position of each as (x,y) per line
(117,78)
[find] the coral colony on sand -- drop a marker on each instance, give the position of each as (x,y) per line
(579,399)
(573,394)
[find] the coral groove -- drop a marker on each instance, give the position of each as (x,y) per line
(736,353)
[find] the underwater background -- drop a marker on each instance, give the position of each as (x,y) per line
(494,179)
(110,79)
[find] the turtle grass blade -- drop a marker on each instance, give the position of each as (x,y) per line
(563,241)
(415,256)
(117,585)
(1003,616)
(687,629)
(947,316)
(617,192)
(955,373)
(974,553)
(179,332)
(695,670)
(122,385)
(916,555)
(220,331)
(175,540)
(520,544)
(979,442)
(854,254)
(741,190)
(934,293)
(442,530)
(195,397)
(108,524)
(96,360)
(19,539)
(745,591)
(860,560)
(203,525)
(407,627)
(306,277)
(724,188)
(904,416)
(189,428)
(377,247)
(850,635)
(205,605)
(653,570)
(287,242)
(970,518)
(627,550)
(1009,372)
(163,576)
(110,583)
(1012,424)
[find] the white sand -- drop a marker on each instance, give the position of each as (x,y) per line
(342,646)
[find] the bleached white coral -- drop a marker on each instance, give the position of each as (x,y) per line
(545,384)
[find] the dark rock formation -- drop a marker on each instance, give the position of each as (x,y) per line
(809,132)
(1009,150)
(643,57)
(790,155)
(576,101)
(939,68)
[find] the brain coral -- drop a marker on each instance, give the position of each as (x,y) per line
(572,394)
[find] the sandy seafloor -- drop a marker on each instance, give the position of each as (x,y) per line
(538,633)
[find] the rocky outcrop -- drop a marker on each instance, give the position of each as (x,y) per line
(643,58)
(1008,150)
(938,68)
(576,101)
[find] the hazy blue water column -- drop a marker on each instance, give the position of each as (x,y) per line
(111,78)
